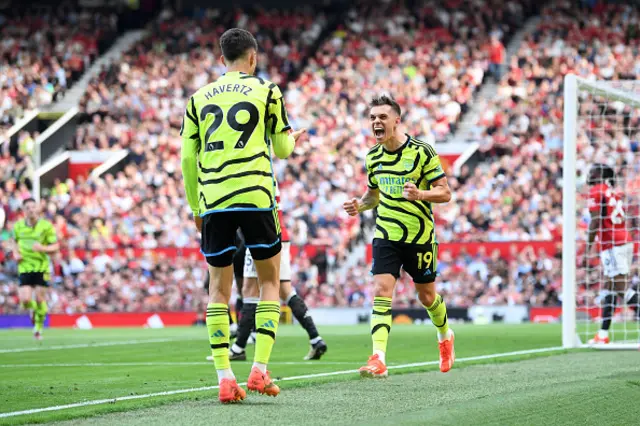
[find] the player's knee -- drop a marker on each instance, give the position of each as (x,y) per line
(383,285)
(426,294)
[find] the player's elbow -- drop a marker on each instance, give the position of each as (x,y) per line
(446,196)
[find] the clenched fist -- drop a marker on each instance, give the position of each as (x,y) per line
(411,191)
(351,206)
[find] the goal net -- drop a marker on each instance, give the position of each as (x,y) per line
(601,126)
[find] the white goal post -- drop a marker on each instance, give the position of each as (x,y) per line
(597,117)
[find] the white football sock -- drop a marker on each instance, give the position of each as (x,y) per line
(225,374)
(381,356)
(316,340)
(262,367)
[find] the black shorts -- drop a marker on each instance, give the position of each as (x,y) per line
(238,264)
(33,279)
(261,231)
(419,261)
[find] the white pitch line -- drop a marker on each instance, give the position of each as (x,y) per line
(168,363)
(87,345)
(303,377)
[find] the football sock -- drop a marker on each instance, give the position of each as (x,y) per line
(245,326)
(218,329)
(238,307)
(230,318)
(30,305)
(300,310)
(438,314)
(631,298)
(381,325)
(267,319)
(608,306)
(41,315)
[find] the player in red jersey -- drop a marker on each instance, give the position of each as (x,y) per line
(251,296)
(608,223)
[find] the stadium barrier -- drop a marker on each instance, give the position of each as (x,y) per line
(123,319)
(18,321)
(509,314)
(505,248)
(547,314)
(420,315)
(471,248)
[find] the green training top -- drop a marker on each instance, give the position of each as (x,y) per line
(25,236)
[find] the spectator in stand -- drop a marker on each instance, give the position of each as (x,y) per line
(43,51)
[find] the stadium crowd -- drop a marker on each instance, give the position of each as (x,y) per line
(432,57)
(44,50)
(125,283)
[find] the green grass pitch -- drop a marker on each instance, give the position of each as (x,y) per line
(552,388)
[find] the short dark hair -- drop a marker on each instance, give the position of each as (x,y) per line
(28,200)
(235,43)
(600,173)
(386,100)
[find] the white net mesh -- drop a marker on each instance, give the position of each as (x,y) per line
(608,133)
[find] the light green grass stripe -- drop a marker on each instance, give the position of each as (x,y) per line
(303,377)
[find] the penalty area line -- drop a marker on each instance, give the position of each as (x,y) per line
(303,377)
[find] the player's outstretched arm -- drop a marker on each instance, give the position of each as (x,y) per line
(369,201)
(439,192)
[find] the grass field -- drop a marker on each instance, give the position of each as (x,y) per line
(107,375)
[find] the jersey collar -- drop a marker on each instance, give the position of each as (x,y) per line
(399,150)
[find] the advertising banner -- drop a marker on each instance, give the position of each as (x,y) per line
(18,321)
(340,316)
(487,314)
(420,315)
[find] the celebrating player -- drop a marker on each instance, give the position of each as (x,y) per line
(251,295)
(608,223)
(228,129)
(35,239)
(405,178)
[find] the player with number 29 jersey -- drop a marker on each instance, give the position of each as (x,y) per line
(230,122)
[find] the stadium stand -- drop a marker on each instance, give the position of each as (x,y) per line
(511,195)
(44,50)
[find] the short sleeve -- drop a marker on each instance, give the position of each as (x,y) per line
(189,129)
(372,181)
(50,236)
(278,118)
(432,169)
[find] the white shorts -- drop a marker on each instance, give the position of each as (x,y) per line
(285,263)
(617,260)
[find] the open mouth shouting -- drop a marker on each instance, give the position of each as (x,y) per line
(378,131)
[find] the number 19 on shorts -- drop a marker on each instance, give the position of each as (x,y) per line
(424,260)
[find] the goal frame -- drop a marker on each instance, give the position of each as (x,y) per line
(572,85)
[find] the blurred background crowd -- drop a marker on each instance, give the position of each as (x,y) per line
(433,56)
